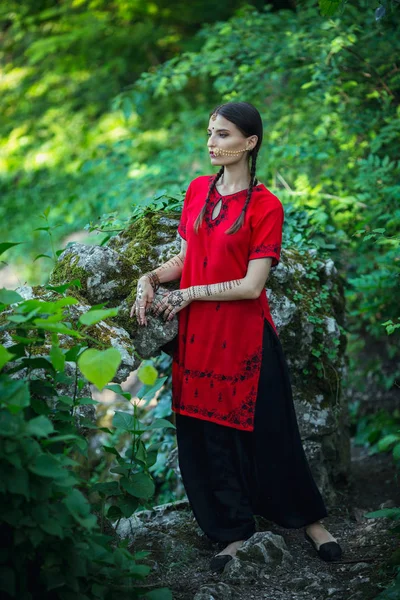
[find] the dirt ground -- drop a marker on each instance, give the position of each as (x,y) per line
(361,574)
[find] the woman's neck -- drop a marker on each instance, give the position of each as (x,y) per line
(234,178)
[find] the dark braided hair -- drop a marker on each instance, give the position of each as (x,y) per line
(248,120)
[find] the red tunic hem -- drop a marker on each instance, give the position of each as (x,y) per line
(220,421)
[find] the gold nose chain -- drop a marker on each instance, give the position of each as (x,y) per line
(219,152)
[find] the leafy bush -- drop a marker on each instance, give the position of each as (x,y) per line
(53,546)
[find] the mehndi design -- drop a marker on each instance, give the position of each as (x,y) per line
(199,291)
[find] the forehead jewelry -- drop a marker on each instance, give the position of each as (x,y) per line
(214,116)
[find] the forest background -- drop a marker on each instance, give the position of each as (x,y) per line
(104,109)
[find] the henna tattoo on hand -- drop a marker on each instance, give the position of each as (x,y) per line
(175,261)
(176,299)
(152,276)
(153,279)
(199,291)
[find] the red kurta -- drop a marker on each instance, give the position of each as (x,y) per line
(216,365)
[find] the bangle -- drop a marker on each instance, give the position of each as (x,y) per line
(153,279)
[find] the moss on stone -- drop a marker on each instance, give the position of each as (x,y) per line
(66,270)
(139,240)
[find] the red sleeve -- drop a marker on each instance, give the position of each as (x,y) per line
(266,235)
(183,219)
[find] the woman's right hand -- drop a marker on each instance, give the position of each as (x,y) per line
(144,299)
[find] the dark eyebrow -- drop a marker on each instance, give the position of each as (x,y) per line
(218,130)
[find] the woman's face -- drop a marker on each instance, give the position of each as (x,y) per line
(224,139)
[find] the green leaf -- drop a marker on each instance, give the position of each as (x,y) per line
(10,424)
(128,505)
(390,513)
(114,512)
(147,392)
(123,420)
(79,508)
(147,375)
(95,316)
(328,7)
(99,367)
(6,245)
(52,527)
(47,466)
(141,453)
(62,288)
(121,470)
(117,389)
(387,441)
(39,427)
(59,438)
(108,488)
(111,450)
(396,452)
(5,356)
(8,297)
(139,485)
(16,395)
(56,328)
(66,400)
(57,358)
(141,554)
(160,423)
(86,401)
(42,256)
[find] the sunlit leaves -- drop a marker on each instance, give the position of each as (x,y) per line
(329,7)
(99,367)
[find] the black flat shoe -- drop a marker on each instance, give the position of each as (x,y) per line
(217,564)
(328,551)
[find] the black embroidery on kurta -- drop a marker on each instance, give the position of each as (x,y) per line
(222,216)
(192,339)
(249,367)
(218,306)
(224,344)
(262,248)
(205,261)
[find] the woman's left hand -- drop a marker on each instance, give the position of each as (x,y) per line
(171,304)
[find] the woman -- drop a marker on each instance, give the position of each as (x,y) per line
(239,446)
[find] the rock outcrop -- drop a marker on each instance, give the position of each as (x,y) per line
(307,305)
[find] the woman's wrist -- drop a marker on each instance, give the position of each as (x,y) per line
(188,295)
(153,279)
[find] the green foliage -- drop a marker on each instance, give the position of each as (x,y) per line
(393,591)
(378,431)
(53,546)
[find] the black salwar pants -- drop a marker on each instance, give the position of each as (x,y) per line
(230,475)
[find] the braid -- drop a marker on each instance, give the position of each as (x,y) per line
(240,220)
(202,213)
